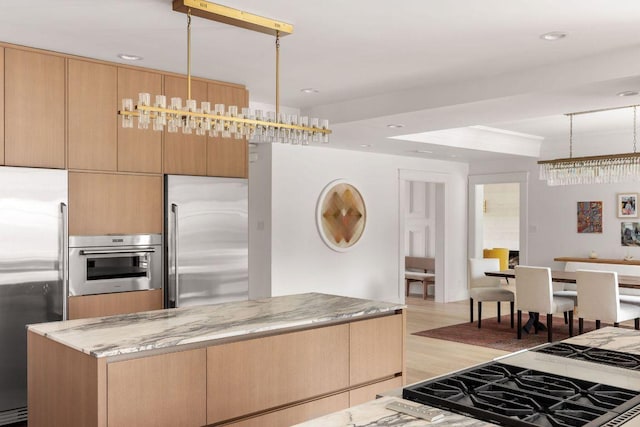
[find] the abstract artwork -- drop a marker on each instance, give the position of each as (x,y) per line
(341,215)
(589,217)
(630,234)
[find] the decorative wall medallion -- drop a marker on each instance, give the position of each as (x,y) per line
(340,215)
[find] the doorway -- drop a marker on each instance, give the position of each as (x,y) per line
(497,226)
(420,227)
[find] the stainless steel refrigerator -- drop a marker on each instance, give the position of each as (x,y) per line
(206,224)
(33,259)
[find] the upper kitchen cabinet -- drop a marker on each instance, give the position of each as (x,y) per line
(227,156)
(104,203)
(184,154)
(139,150)
(1,106)
(34,110)
(93,119)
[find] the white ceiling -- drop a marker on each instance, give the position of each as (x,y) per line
(430,65)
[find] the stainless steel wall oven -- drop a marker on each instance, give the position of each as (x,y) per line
(114,263)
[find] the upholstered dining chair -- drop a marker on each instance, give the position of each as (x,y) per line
(485,288)
(534,293)
(599,299)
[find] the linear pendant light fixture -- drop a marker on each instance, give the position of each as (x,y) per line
(609,168)
(225,122)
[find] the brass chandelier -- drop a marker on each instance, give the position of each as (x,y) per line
(225,121)
(604,169)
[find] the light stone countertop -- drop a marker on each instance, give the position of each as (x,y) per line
(151,330)
(374,414)
(610,338)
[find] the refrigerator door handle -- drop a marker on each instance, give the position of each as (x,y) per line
(64,234)
(174,253)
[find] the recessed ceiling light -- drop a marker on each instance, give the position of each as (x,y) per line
(423,151)
(628,93)
(553,36)
(309,90)
(365,145)
(395,126)
(129,57)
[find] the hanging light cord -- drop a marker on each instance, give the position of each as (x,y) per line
(277,75)
(570,135)
(189,54)
(634,129)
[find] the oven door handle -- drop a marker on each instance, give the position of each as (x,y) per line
(115,252)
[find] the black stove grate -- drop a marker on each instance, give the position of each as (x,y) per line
(514,396)
(594,355)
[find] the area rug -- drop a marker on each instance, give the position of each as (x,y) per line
(500,335)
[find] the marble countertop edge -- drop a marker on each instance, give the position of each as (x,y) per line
(161,329)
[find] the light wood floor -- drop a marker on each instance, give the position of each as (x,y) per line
(428,357)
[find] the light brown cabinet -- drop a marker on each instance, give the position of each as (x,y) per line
(227,156)
(34,110)
(101,203)
(376,349)
(139,150)
(371,391)
(267,372)
(165,390)
(85,306)
(1,106)
(297,414)
(275,380)
(92,115)
(184,154)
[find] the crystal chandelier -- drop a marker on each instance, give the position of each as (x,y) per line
(224,121)
(605,169)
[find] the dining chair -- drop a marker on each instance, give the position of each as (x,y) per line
(599,299)
(534,293)
(485,288)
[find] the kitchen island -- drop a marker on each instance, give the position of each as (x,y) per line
(626,341)
(276,361)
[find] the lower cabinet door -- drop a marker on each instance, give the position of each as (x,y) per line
(117,303)
(376,350)
(371,391)
(167,390)
(246,377)
(298,413)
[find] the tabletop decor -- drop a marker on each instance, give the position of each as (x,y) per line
(627,205)
(340,215)
(589,217)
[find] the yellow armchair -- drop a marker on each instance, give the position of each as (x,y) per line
(501,253)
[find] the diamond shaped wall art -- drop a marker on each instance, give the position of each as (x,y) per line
(341,215)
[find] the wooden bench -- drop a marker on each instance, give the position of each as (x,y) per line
(419,269)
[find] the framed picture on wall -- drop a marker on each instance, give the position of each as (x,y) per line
(589,217)
(627,205)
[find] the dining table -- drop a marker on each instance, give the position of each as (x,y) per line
(562,276)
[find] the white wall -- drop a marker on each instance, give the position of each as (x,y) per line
(552,230)
(301,262)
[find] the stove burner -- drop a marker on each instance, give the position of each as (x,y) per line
(594,355)
(515,396)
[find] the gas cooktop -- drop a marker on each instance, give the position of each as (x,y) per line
(516,396)
(592,354)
